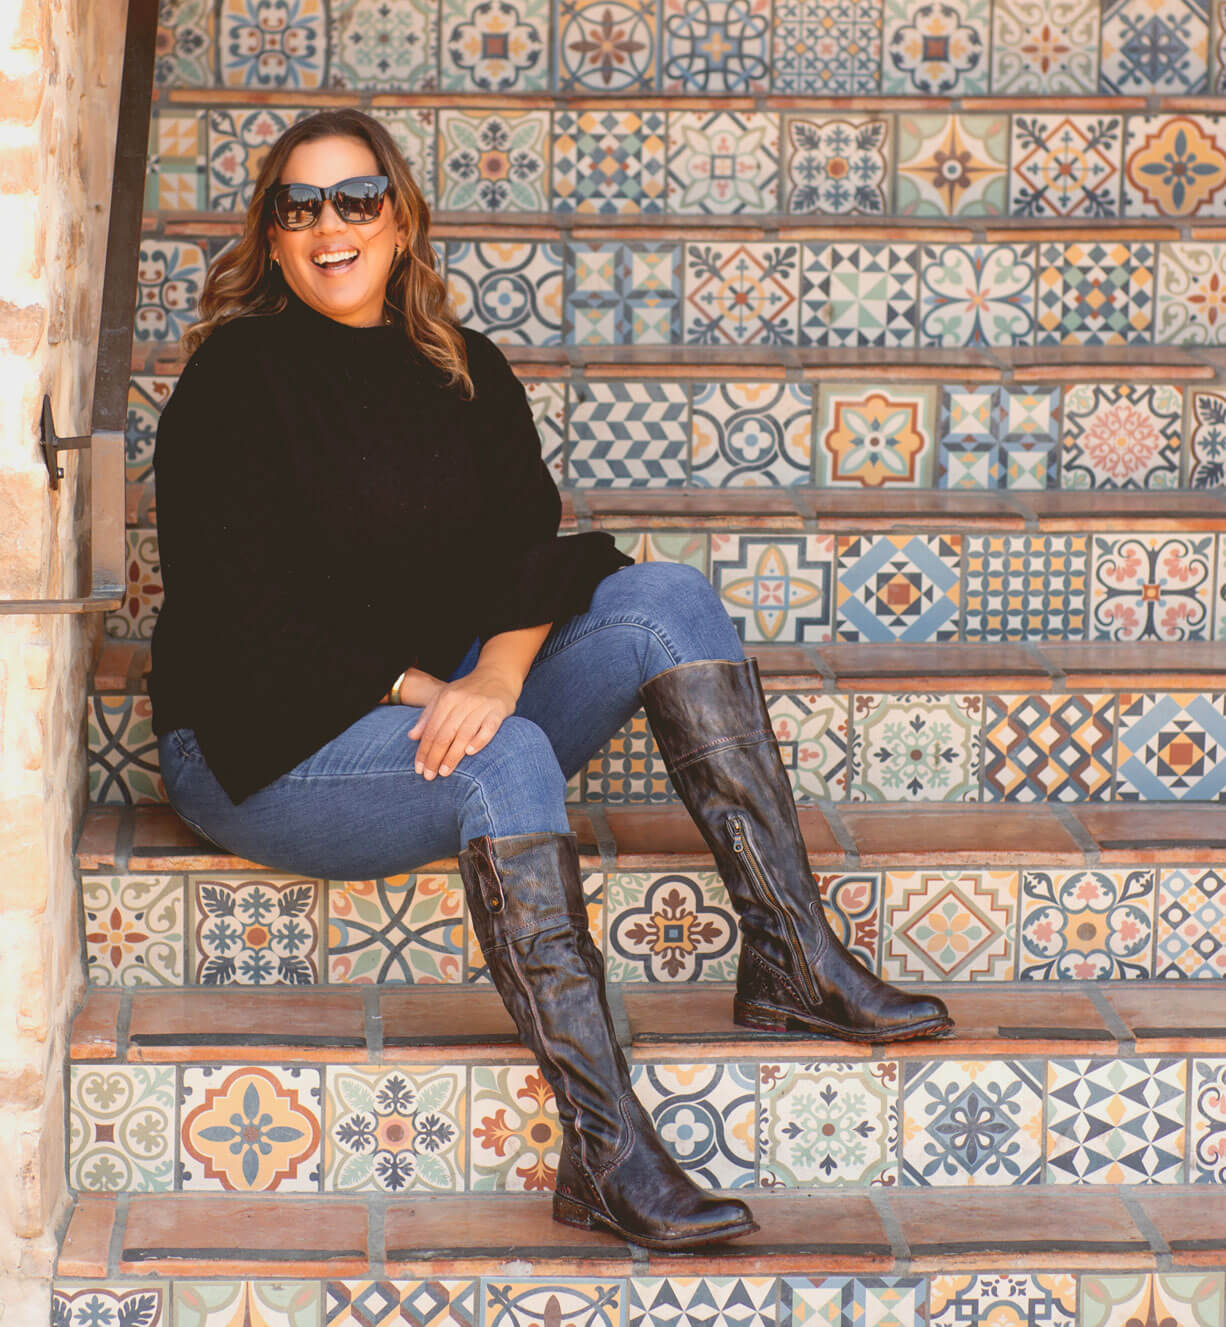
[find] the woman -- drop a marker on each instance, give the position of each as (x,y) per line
(375,651)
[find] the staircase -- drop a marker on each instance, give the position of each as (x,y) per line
(907,325)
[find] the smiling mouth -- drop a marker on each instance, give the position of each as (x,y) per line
(342,265)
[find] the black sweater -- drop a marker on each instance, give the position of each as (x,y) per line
(330,514)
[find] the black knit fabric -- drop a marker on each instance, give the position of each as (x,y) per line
(330,514)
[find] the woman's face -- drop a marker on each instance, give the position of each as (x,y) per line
(352,293)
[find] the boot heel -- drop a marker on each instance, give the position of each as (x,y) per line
(570,1213)
(747,1016)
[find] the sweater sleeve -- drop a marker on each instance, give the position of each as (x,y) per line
(540,576)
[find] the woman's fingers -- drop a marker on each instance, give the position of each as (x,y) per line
(435,736)
(484,734)
(466,729)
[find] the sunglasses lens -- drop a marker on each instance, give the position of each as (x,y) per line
(359,201)
(297,207)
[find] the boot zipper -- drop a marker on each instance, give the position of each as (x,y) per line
(743,847)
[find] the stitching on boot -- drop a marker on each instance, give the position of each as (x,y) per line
(778,973)
(754,738)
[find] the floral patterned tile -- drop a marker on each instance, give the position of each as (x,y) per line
(715,46)
(140,1305)
(1191,939)
(147,395)
(952,165)
(953,925)
(1172,747)
(263,46)
(495,45)
(827,48)
(1026,587)
(509,289)
(414,131)
(742,293)
(1066,165)
(1155,46)
(1191,300)
(121,1128)
(143,592)
(392,45)
(540,1301)
(897,587)
(406,928)
(1207,440)
(836,166)
(262,932)
(824,1125)
(186,44)
(853,906)
(606,46)
(936,49)
(670,927)
(1152,587)
(169,279)
(874,437)
(1191,1298)
(624,294)
(629,434)
(1122,435)
(705,1115)
(915,749)
(121,751)
(1037,1297)
(609,162)
(813,735)
(426,1303)
(751,434)
(134,932)
(1044,47)
(238,141)
(493,161)
(859,294)
(516,1140)
(977,295)
(1208,1122)
(1048,748)
(722,162)
(775,590)
(1116,1121)
(1086,925)
(1174,166)
(1095,293)
(175,173)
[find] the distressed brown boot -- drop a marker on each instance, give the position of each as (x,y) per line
(526,903)
(712,727)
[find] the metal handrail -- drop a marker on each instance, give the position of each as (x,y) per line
(104,444)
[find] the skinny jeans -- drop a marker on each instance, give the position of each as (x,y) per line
(356,809)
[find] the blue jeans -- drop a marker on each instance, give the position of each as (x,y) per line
(356,809)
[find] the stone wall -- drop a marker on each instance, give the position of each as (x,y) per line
(60,68)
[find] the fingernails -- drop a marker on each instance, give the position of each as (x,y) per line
(417,768)
(444,770)
(470,750)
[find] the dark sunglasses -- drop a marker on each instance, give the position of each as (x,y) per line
(358,201)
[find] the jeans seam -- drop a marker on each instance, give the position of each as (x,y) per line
(607,624)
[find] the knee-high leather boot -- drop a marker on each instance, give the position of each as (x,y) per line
(526,903)
(711,724)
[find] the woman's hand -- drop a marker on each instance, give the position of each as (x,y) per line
(461,717)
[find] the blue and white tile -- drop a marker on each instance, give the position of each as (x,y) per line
(827,48)
(705,1115)
(776,589)
(977,295)
(509,289)
(837,166)
(387,44)
(714,47)
(1155,46)
(859,294)
(623,294)
(629,434)
(751,434)
(898,587)
(609,162)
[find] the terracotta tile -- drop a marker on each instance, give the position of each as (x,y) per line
(189,1235)
(433,1023)
(140,502)
(986,835)
(776,662)
(733,370)
(1139,666)
(1022,1227)
(693,504)
(586,834)
(934,668)
(881,234)
(665,837)
(1191,1221)
(87,1242)
(875,365)
(1171,1016)
(96,842)
(1166,834)
(162,842)
(459,1236)
(252,1025)
(853,510)
(1105,364)
(119,665)
(95,1029)
(1067,104)
(1124,510)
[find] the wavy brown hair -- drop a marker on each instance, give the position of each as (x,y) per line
(241,280)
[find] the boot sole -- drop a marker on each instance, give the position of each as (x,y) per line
(781,1020)
(568,1212)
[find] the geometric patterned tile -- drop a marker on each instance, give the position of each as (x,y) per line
(952,925)
(262,932)
(133,929)
(936,50)
(1095,293)
(495,161)
(628,769)
(705,1115)
(1026,587)
(249,1130)
(1191,294)
(1208,1123)
(629,434)
(442,1303)
(1044,46)
(898,587)
(741,293)
(1172,747)
(1174,166)
(952,165)
(722,162)
(1048,748)
(238,1303)
(1206,445)
(775,589)
(514,1132)
(1086,925)
(853,1301)
(827,1124)
(1122,435)
(715,46)
(670,927)
(1152,587)
(678,1301)
(548,402)
(174,175)
(168,289)
(147,394)
(859,294)
(1116,1121)
(495,45)
(143,593)
(1187,1299)
(1066,165)
(509,289)
(916,748)
(977,295)
(608,161)
(405,928)
(998,437)
(395,1130)
(567,1303)
(812,732)
(1191,939)
(827,48)
(122,751)
(751,434)
(871,437)
(121,1128)
(1010,1297)
(259,46)
(623,294)
(837,167)
(853,908)
(186,44)
(87,1306)
(1155,46)
(376,44)
(606,46)
(971,1122)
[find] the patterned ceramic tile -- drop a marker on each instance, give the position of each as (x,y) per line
(495,45)
(977,294)
(741,294)
(837,166)
(722,162)
(509,289)
(493,161)
(1048,748)
(624,294)
(628,769)
(396,1130)
(1122,435)
(897,587)
(262,932)
(249,1130)
(952,165)
(238,141)
(127,1304)
(147,394)
(714,1301)
(1208,1122)
(671,926)
(608,162)
(812,732)
(169,279)
(689,548)
(606,45)
(1044,46)
(387,44)
(133,929)
(870,437)
(915,749)
(952,925)
(515,1140)
(1206,443)
(1066,165)
(1026,587)
(853,1301)
(1095,294)
(705,1116)
(751,434)
(541,1302)
(1189,1299)
(1155,46)
(1174,166)
(998,437)
(936,49)
(1009,1297)
(970,1122)
(1172,747)
(1152,587)
(1116,1121)
(629,434)
(1191,301)
(122,751)
(186,43)
(715,46)
(441,1303)
(548,401)
(174,175)
(829,1124)
(246,1303)
(264,44)
(1086,925)
(859,294)
(1191,939)
(775,589)
(121,1128)
(406,928)
(827,47)
(143,592)
(853,907)
(414,131)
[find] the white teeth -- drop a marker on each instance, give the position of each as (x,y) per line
(327,259)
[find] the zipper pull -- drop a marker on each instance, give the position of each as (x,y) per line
(738,837)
